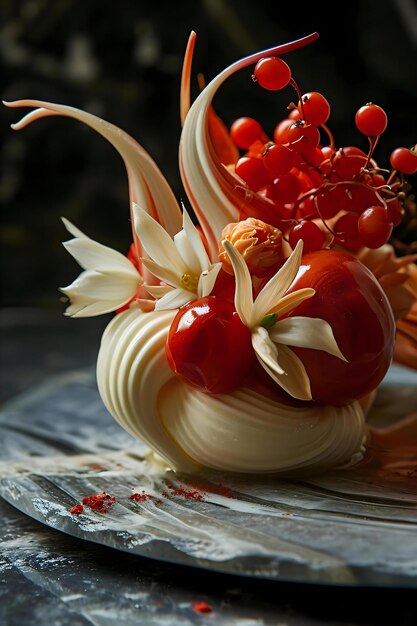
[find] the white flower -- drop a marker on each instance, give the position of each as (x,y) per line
(109,281)
(272,336)
(182,262)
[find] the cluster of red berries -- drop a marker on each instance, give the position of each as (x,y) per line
(321,194)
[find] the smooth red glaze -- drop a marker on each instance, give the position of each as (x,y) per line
(351,300)
(208,346)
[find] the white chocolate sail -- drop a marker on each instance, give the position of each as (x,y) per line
(242,431)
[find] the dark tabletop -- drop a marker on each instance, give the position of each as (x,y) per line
(51,578)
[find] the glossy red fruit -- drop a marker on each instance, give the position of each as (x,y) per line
(310,233)
(347,233)
(253,172)
(300,134)
(351,300)
(395,211)
(316,108)
(371,120)
(208,347)
(404,160)
(374,227)
(285,189)
(278,160)
(348,162)
(281,130)
(245,131)
(272,73)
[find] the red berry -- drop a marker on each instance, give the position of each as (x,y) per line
(395,211)
(348,162)
(310,233)
(208,346)
(362,198)
(285,189)
(404,160)
(328,152)
(294,115)
(347,233)
(316,108)
(305,182)
(272,73)
(281,131)
(245,131)
(374,227)
(300,134)
(351,300)
(371,120)
(278,160)
(307,209)
(253,172)
(378,180)
(331,201)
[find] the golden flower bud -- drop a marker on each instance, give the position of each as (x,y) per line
(259,244)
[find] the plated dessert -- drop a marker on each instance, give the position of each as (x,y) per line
(254,339)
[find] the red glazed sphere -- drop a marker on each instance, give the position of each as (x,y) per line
(272,73)
(371,120)
(208,346)
(404,160)
(351,300)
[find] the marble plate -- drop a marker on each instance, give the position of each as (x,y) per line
(348,528)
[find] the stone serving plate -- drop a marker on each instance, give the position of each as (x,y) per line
(355,528)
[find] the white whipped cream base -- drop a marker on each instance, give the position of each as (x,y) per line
(243,431)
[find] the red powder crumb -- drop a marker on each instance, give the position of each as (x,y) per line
(143,497)
(188,494)
(100,502)
(77,509)
(202,607)
(217,489)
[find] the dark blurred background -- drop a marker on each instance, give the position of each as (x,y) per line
(122,61)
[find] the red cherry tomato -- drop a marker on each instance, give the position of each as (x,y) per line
(351,300)
(208,346)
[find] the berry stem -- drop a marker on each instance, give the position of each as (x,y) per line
(373,141)
(300,99)
(329,134)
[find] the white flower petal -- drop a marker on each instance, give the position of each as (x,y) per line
(157,291)
(207,280)
(265,349)
(306,332)
(243,291)
(282,364)
(195,242)
(92,255)
(174,299)
(76,232)
(186,252)
(291,300)
(163,273)
(93,293)
(85,308)
(294,380)
(157,242)
(276,287)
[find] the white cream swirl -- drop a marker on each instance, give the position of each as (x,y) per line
(242,431)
